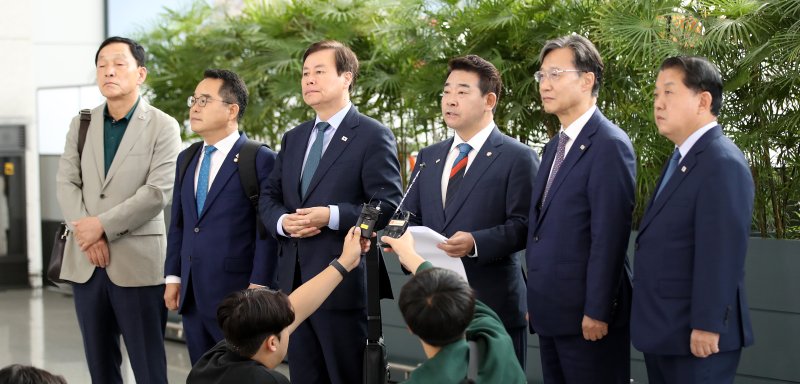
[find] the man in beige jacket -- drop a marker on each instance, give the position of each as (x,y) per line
(112,197)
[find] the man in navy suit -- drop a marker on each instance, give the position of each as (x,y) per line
(479,197)
(580,222)
(326,169)
(690,315)
(214,247)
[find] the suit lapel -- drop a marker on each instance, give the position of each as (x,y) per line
(484,157)
(228,168)
(190,199)
(434,180)
(576,151)
(684,168)
(295,158)
(139,121)
(94,139)
(343,136)
(548,157)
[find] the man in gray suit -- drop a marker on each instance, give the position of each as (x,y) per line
(112,197)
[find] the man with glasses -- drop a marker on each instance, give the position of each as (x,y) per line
(579,225)
(112,195)
(214,247)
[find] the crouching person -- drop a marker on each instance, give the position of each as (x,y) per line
(440,308)
(257,323)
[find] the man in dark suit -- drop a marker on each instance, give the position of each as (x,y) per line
(214,247)
(113,197)
(580,221)
(690,315)
(326,168)
(479,197)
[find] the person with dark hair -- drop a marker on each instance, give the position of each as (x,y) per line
(441,309)
(580,222)
(475,188)
(112,195)
(257,323)
(690,315)
(326,169)
(214,246)
(25,374)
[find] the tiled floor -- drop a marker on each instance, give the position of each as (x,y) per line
(39,327)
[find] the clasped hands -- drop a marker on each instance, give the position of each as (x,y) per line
(306,222)
(88,232)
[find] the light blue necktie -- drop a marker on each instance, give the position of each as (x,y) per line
(202,178)
(314,156)
(673,163)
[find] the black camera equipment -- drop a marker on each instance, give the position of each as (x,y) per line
(399,222)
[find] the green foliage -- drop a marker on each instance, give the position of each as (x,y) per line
(404,46)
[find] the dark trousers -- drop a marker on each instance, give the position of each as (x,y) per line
(202,331)
(519,338)
(719,368)
(106,311)
(575,360)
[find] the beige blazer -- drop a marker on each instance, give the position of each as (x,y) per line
(129,201)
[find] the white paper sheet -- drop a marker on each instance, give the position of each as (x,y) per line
(425,241)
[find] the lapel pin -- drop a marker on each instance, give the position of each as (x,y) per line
(344,138)
(236,158)
(683,169)
(583,147)
(489,154)
(438,160)
(141,117)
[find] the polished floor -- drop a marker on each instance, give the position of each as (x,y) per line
(39,328)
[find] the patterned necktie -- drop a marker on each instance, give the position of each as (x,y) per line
(314,156)
(202,178)
(458,170)
(562,149)
(673,163)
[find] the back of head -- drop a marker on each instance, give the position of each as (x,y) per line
(25,374)
(137,51)
(587,57)
(250,316)
(346,60)
(437,305)
(699,75)
(233,89)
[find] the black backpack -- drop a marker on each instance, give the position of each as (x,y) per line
(247,174)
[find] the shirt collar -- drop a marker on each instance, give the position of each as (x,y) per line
(127,115)
(477,141)
(337,118)
(225,145)
(574,129)
(696,135)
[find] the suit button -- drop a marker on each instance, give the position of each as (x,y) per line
(196,230)
(536,239)
(102,195)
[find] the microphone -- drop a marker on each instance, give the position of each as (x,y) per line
(399,221)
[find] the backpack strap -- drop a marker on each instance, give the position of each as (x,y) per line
(248,175)
(86,118)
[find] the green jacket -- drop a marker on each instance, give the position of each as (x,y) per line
(498,362)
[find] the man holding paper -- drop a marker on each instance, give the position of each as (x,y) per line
(475,189)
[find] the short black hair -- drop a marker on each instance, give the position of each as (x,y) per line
(136,50)
(233,89)
(586,56)
(488,75)
(699,75)
(26,374)
(437,305)
(250,316)
(346,59)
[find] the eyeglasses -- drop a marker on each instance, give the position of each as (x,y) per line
(202,101)
(553,74)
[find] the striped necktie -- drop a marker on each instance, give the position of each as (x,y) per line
(458,170)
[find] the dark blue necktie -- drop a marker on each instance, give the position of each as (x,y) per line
(314,156)
(673,163)
(563,138)
(458,170)
(202,178)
